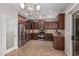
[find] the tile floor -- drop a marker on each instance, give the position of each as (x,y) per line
(37,48)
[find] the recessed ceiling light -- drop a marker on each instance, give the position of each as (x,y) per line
(50,16)
(40,17)
(38,7)
(25,13)
(22,5)
(50,11)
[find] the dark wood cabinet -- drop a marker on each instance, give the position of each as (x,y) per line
(27,25)
(35,25)
(51,25)
(39,24)
(58,42)
(55,45)
(61,19)
(34,36)
(32,25)
(48,37)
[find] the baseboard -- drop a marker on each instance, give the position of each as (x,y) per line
(0,53)
(66,53)
(8,51)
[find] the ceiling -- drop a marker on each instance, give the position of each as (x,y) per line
(47,10)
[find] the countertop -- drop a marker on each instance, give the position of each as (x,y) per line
(53,32)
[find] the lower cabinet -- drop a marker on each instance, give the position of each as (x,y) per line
(58,42)
(48,37)
(34,36)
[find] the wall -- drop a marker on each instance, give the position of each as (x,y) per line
(8,10)
(68,29)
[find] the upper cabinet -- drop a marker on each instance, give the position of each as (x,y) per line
(32,24)
(48,25)
(27,24)
(35,25)
(61,19)
(51,25)
(41,24)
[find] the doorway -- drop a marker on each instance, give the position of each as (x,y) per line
(75,33)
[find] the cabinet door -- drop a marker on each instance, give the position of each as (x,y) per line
(61,43)
(36,25)
(61,21)
(55,42)
(46,25)
(41,23)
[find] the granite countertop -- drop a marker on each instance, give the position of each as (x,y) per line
(60,34)
(53,32)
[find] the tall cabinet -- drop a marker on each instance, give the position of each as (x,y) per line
(59,39)
(61,22)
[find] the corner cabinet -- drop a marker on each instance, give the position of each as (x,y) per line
(61,18)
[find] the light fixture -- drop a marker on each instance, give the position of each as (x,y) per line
(50,11)
(40,17)
(22,5)
(25,13)
(30,8)
(33,8)
(50,16)
(38,7)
